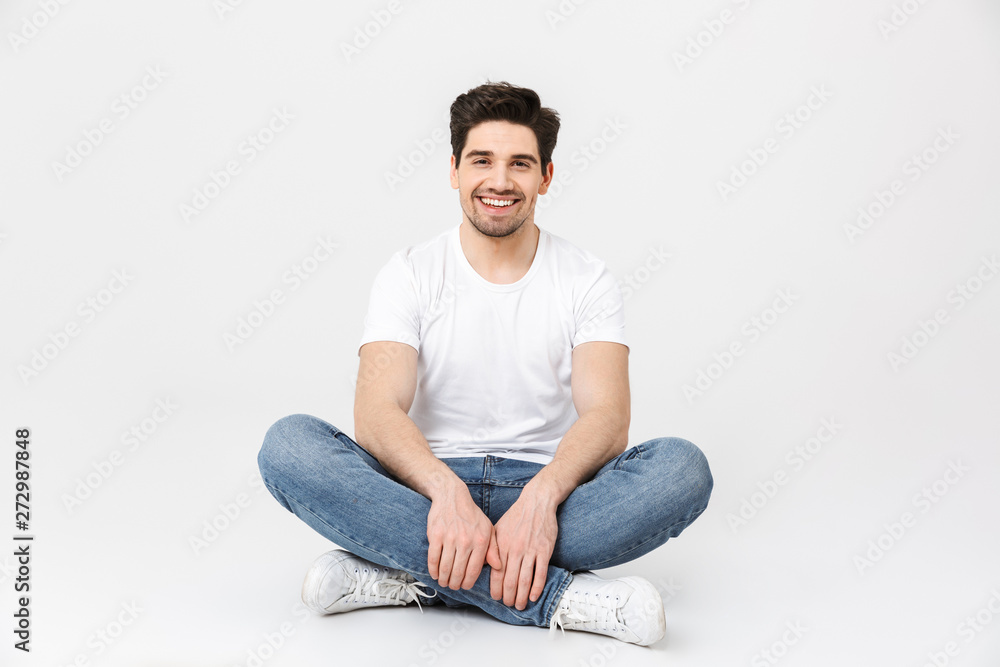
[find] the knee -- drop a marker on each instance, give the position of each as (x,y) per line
(687,466)
(697,464)
(283,442)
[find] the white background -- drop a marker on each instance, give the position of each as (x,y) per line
(685,126)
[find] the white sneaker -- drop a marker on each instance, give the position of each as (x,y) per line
(629,609)
(339,581)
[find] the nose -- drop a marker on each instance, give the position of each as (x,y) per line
(499,179)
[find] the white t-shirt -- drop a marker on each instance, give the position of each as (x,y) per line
(494,361)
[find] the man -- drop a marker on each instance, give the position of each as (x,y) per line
(491,417)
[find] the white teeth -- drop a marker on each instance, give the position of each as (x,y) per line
(497,202)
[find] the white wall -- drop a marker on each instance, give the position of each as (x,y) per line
(882,96)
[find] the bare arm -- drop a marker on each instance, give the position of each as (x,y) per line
(387,383)
(457,530)
(525,536)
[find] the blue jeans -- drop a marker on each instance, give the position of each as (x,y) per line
(635,503)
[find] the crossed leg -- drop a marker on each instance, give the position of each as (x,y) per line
(635,503)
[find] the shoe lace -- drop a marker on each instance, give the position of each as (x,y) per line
(374,585)
(588,611)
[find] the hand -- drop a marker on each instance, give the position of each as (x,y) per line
(523,541)
(459,535)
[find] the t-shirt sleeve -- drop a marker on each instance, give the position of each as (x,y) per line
(600,311)
(393,309)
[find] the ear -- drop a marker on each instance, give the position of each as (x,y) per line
(454,173)
(543,187)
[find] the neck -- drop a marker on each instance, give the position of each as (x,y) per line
(501,260)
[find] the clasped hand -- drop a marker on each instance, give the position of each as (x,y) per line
(517,549)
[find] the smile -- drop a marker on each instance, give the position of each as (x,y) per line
(497,203)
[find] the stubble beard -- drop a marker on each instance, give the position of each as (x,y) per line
(493,228)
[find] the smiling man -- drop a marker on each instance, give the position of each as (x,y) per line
(490,465)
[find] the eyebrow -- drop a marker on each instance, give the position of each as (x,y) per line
(528,157)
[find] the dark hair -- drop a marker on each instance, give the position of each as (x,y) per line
(502,101)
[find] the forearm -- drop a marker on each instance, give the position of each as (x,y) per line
(458,533)
(388,434)
(526,534)
(593,440)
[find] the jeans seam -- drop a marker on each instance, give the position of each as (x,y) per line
(554,604)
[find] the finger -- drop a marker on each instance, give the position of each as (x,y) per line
(496,584)
(458,569)
(433,559)
(444,568)
(493,553)
(496,569)
(524,583)
(510,575)
(541,570)
(474,567)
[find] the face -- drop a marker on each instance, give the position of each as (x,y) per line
(499,177)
